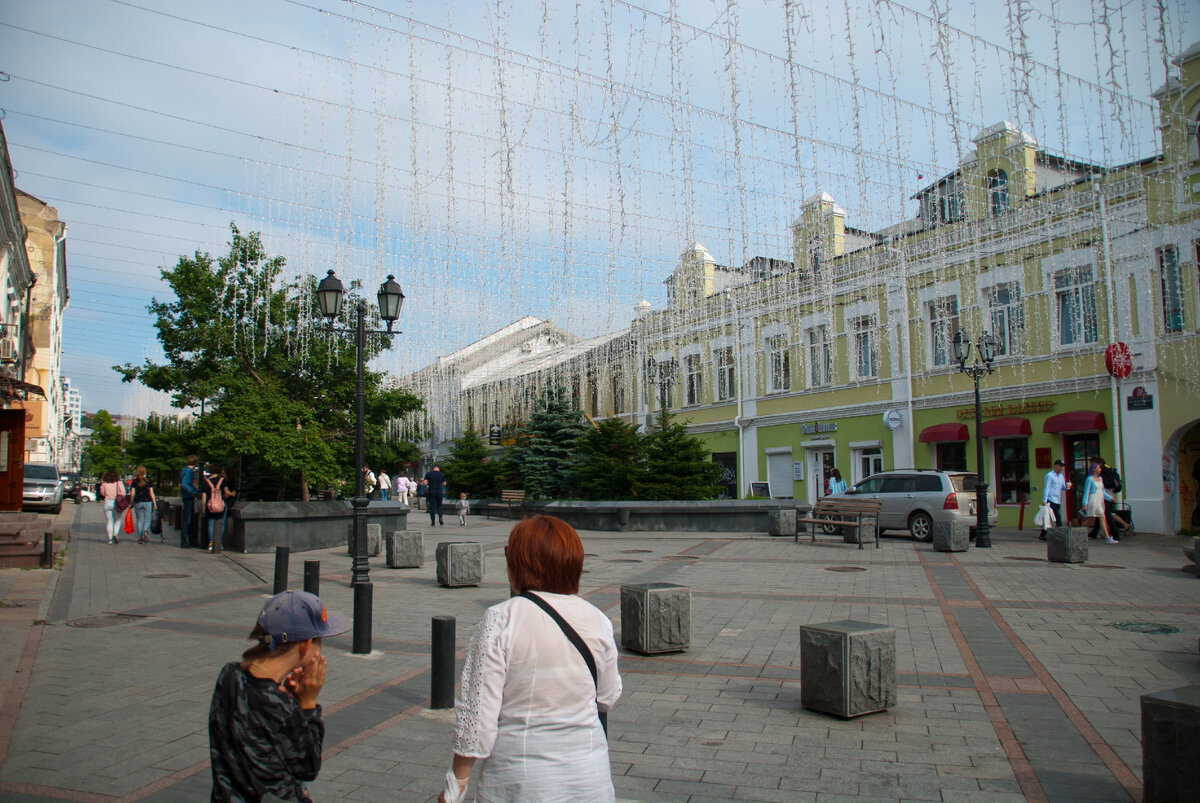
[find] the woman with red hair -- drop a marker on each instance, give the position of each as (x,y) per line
(529,705)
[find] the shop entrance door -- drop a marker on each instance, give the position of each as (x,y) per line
(1081,450)
(820,464)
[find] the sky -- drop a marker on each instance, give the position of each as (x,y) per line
(509,158)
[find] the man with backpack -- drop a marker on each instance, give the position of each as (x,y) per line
(216,496)
(1112,485)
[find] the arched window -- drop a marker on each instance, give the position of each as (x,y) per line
(998,191)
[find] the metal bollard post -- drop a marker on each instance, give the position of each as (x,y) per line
(281,568)
(362,619)
(312,577)
(441,677)
(48,551)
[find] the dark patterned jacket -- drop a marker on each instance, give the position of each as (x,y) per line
(260,740)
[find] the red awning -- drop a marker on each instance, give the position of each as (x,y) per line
(1078,421)
(1006,428)
(944,432)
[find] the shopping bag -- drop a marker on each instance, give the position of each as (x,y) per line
(155,522)
(1044,517)
(128,526)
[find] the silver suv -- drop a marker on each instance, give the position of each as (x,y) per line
(43,488)
(913,499)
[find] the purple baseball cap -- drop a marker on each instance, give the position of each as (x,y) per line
(296,616)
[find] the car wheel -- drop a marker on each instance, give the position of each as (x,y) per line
(921,526)
(831,529)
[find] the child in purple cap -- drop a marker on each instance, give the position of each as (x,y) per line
(264,725)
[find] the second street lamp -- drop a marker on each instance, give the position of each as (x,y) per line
(987,353)
(330,293)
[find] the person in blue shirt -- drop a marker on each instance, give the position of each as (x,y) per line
(187,497)
(837,485)
(1056,484)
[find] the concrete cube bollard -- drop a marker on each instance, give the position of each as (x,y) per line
(1195,554)
(374,539)
(951,536)
(1067,545)
(781,522)
(459,563)
(847,668)
(405,549)
(656,618)
(1170,733)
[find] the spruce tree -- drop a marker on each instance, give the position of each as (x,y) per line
(676,465)
(546,457)
(608,461)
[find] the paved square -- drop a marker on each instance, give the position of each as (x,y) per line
(1013,685)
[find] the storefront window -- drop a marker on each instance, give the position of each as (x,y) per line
(952,456)
(868,462)
(1012,468)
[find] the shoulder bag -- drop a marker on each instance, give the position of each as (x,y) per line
(576,640)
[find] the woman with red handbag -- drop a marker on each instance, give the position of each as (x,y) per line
(112,492)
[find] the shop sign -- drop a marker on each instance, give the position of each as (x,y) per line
(798,471)
(816,427)
(1139,400)
(1118,360)
(893,419)
(1013,408)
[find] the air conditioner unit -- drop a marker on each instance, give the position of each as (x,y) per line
(8,350)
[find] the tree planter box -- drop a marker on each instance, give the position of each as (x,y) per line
(374,539)
(951,536)
(405,549)
(847,668)
(1067,545)
(781,522)
(459,563)
(656,618)
(1170,737)
(302,526)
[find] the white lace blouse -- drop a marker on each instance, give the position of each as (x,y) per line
(527,703)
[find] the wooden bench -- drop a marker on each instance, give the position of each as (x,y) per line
(832,513)
(509,501)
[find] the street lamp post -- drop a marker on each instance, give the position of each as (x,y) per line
(329,299)
(987,353)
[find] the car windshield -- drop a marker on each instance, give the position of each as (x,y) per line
(40,472)
(963,483)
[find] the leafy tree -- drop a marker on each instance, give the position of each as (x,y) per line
(104,447)
(468,468)
(243,345)
(545,459)
(608,460)
(162,446)
(677,466)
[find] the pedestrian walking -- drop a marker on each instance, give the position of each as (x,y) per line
(112,490)
(464,507)
(188,491)
(144,501)
(1111,479)
(265,731)
(435,482)
(385,485)
(369,481)
(1057,485)
(421,491)
(837,485)
(402,488)
(217,495)
(1093,503)
(541,669)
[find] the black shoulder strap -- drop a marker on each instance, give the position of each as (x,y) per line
(567,630)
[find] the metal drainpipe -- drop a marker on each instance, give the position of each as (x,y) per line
(906,344)
(24,324)
(739,422)
(1110,303)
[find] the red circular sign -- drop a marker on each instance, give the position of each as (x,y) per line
(1118,360)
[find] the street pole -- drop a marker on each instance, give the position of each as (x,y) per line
(359,568)
(983,533)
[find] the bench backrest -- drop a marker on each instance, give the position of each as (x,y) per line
(842,504)
(512,496)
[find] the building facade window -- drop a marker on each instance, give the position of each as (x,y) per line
(867,461)
(779,360)
(952,456)
(1075,303)
(666,383)
(1171,280)
(950,202)
(593,394)
(691,379)
(820,358)
(1012,469)
(814,258)
(1004,304)
(998,191)
(865,359)
(943,325)
(618,393)
(726,378)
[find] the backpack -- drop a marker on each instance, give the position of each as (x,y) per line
(1112,480)
(216,500)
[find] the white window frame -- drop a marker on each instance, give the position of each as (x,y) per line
(820,356)
(989,284)
(942,327)
(778,351)
(1083,333)
(864,449)
(1172,306)
(724,373)
(862,328)
(691,399)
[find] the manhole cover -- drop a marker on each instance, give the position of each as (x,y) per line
(165,576)
(622,560)
(1024,557)
(635,551)
(1100,566)
(107,620)
(845,568)
(1150,628)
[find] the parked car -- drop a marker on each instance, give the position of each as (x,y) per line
(913,499)
(43,488)
(71,485)
(87,495)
